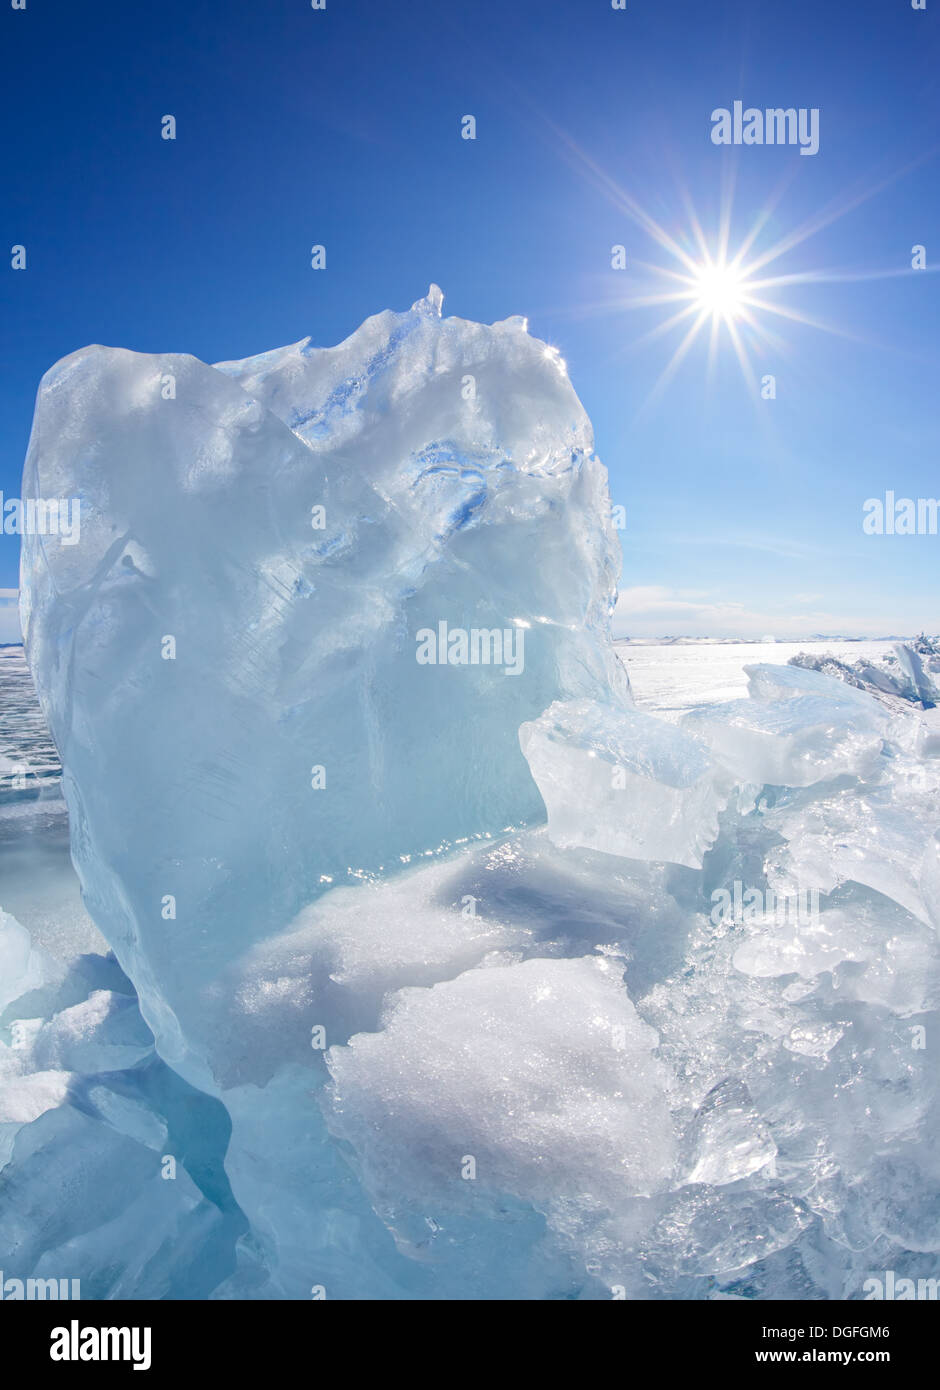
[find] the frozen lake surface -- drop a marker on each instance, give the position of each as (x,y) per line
(669,680)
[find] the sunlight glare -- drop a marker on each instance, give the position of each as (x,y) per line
(719,291)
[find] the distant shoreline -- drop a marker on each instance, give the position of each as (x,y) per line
(749,641)
(704,641)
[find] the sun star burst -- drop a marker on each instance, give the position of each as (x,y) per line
(719,289)
(728,293)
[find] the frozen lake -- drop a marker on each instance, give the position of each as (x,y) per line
(672,679)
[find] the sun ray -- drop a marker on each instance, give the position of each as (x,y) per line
(834,210)
(619,197)
(711,364)
(675,360)
(833,277)
(796,317)
(662,328)
(719,284)
(743,359)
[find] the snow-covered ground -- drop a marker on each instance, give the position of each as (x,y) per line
(669,680)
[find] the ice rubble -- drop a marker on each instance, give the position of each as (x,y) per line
(792,731)
(910,672)
(623,782)
(88,1118)
(462,1054)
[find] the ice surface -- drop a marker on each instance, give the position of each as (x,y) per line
(797,740)
(534,1080)
(771,683)
(727,1140)
(295,738)
(431,948)
(624,782)
(22,966)
(911,671)
(88,1117)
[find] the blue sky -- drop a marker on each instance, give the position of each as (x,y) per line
(342,127)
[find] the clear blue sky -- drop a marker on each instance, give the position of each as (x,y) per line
(342,127)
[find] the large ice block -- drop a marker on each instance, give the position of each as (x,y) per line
(314,596)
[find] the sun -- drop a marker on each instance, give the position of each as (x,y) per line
(719,290)
(713,290)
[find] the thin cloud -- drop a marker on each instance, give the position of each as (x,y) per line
(658,611)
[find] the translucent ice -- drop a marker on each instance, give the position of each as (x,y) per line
(539,1072)
(331,650)
(910,672)
(296,642)
(623,782)
(89,1119)
(797,740)
(23,966)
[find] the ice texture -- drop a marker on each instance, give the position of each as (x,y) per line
(624,782)
(285,530)
(538,1073)
(429,949)
(89,1117)
(911,671)
(796,729)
